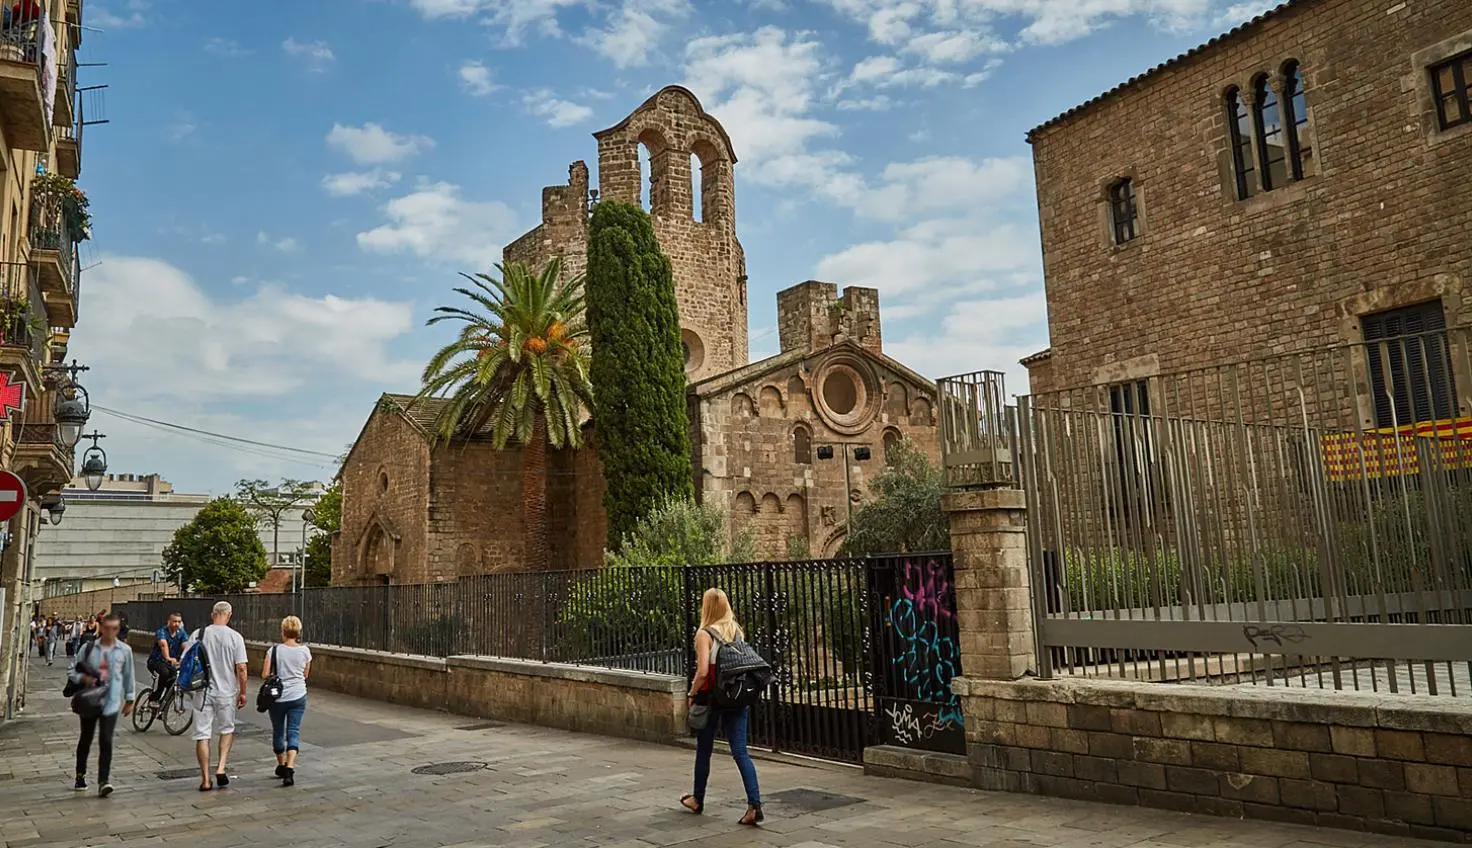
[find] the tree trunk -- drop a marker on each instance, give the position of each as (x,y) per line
(534,496)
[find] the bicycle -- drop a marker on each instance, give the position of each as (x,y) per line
(174,706)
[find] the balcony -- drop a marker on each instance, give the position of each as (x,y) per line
(54,254)
(24,333)
(41,458)
(63,111)
(23,109)
(69,149)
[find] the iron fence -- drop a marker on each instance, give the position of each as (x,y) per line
(1296,520)
(975,430)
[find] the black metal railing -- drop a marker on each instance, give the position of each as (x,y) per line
(20,37)
(22,322)
(50,231)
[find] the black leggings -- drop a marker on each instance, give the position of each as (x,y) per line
(104,745)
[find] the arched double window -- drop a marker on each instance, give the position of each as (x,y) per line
(1269,138)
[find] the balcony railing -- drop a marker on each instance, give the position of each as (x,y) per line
(20,36)
(23,321)
(46,433)
(64,114)
(49,231)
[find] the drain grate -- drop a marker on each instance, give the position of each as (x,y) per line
(449,768)
(812,800)
(178,774)
(490,725)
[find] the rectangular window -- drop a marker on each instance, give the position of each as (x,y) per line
(1449,83)
(1410,365)
(1123,215)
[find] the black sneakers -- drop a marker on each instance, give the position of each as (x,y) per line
(80,784)
(104,790)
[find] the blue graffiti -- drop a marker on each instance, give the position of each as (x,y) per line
(928,658)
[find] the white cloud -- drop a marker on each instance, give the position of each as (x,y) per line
(952,184)
(1014,327)
(371,144)
(225,47)
(513,17)
(1241,13)
(475,78)
(182,130)
(934,258)
(317,54)
(634,29)
(356,182)
(131,17)
(890,72)
(559,113)
(285,244)
(435,223)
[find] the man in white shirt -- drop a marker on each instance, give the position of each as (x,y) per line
(215,706)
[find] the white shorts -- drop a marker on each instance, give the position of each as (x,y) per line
(213,715)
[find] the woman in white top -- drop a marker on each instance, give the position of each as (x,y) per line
(292,663)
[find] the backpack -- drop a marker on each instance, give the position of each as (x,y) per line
(194,666)
(741,674)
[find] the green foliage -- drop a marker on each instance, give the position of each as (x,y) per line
(327,511)
(798,547)
(521,355)
(903,512)
(268,504)
(638,368)
(318,569)
(219,551)
(681,532)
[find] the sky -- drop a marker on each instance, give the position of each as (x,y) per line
(283,192)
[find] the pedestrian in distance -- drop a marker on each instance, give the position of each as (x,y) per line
(223,652)
(291,663)
(718,622)
(107,663)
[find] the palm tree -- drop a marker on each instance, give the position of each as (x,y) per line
(518,371)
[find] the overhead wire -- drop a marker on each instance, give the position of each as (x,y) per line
(253,447)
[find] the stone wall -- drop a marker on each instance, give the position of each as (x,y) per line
(385,505)
(812,316)
(1210,278)
(1395,764)
(563,232)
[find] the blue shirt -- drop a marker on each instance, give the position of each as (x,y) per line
(176,643)
(115,664)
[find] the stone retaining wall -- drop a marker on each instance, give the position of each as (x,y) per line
(1395,764)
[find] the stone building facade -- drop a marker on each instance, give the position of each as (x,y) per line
(1267,192)
(412,513)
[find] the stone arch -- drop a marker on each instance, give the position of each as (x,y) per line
(770,402)
(892,438)
(660,179)
(467,560)
(897,402)
(713,188)
(745,504)
(797,395)
(378,552)
(802,445)
(921,413)
(797,520)
(771,504)
(833,542)
(742,406)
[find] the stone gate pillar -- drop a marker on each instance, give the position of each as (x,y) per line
(993,606)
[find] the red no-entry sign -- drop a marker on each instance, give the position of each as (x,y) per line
(12,495)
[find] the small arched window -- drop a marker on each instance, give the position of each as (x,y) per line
(1295,118)
(802,446)
(697,179)
(1272,146)
(1123,214)
(1239,125)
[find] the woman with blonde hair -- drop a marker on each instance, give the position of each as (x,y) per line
(292,663)
(718,623)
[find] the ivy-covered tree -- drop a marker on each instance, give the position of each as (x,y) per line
(219,551)
(902,514)
(638,369)
(270,503)
(327,518)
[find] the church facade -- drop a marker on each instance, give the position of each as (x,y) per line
(788,444)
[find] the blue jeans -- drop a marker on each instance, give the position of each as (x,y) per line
(734,722)
(286,724)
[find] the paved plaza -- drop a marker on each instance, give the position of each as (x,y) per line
(356,786)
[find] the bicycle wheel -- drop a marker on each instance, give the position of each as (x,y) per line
(178,713)
(143,712)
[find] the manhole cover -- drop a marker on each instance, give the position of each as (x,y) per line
(490,725)
(812,800)
(178,774)
(449,768)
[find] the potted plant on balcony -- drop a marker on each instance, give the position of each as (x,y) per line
(57,191)
(14,320)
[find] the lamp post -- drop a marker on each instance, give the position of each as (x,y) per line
(72,407)
(55,508)
(94,462)
(861,453)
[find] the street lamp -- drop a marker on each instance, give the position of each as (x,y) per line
(73,407)
(55,507)
(94,462)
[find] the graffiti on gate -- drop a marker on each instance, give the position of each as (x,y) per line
(922,616)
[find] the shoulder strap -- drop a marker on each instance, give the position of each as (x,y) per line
(275,669)
(714,635)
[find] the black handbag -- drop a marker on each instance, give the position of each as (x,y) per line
(271,687)
(697,717)
(88,702)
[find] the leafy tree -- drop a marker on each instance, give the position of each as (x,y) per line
(679,531)
(638,368)
(269,504)
(326,516)
(219,551)
(903,513)
(518,370)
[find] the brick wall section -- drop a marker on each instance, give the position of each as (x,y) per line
(389,447)
(564,228)
(1394,764)
(1211,278)
(812,316)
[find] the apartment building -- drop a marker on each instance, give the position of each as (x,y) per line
(43,217)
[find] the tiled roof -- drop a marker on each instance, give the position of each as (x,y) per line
(1170,63)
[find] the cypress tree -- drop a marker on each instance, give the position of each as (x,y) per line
(638,369)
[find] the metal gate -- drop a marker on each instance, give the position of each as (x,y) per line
(863,650)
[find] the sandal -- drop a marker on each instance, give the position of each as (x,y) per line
(697,809)
(753,816)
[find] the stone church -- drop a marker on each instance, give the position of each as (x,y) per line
(788,444)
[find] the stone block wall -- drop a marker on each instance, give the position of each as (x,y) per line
(385,526)
(1393,764)
(812,316)
(564,229)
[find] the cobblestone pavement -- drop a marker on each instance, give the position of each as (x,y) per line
(538,787)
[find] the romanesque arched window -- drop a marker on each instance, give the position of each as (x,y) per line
(1239,124)
(802,445)
(1295,118)
(1272,141)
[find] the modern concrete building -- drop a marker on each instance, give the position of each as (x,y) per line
(118,533)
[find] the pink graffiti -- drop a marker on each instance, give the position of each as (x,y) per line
(928,587)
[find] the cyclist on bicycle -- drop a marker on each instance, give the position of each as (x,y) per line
(168,648)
